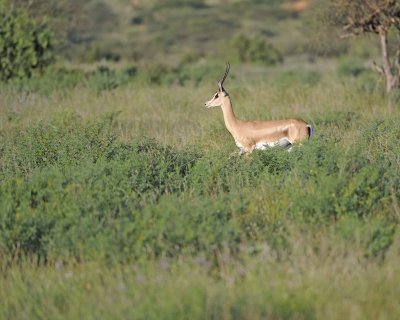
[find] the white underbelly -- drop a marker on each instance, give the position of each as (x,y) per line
(281,143)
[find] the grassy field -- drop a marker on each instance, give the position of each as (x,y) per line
(126,198)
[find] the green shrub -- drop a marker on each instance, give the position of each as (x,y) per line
(253,50)
(190,58)
(196,74)
(53,79)
(26,45)
(105,78)
(100,53)
(381,238)
(351,67)
(300,77)
(63,141)
(179,3)
(69,188)
(157,73)
(63,79)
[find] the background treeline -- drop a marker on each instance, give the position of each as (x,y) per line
(104,44)
(115,30)
(108,43)
(180,31)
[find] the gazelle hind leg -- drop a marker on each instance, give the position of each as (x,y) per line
(284,142)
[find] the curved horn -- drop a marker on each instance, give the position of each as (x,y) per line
(228,66)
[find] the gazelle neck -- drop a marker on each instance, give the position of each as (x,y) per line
(229,116)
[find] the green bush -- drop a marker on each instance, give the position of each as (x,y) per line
(253,50)
(69,188)
(197,4)
(104,78)
(62,79)
(26,45)
(94,53)
(53,79)
(299,76)
(351,67)
(196,74)
(63,141)
(381,239)
(157,73)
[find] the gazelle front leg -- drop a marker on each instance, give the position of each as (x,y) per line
(241,148)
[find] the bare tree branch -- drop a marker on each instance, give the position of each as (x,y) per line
(378,69)
(397,62)
(358,17)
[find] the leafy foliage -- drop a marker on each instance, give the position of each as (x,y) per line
(26,45)
(67,180)
(360,16)
(255,50)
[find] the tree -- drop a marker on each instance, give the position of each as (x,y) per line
(26,44)
(357,17)
(75,23)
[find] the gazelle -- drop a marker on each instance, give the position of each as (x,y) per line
(250,135)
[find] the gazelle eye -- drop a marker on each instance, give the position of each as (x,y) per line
(216,96)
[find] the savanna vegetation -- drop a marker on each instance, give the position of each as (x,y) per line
(121,196)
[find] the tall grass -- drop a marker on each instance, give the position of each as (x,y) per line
(322,277)
(131,202)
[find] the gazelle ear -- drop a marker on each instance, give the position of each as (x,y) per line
(220,87)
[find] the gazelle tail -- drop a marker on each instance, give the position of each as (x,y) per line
(310,131)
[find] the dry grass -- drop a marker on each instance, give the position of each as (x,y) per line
(175,115)
(321,278)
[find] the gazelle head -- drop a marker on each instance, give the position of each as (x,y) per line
(221,94)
